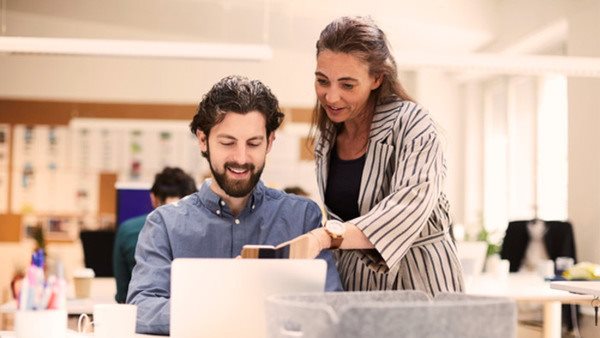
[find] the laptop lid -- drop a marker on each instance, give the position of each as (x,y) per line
(226,297)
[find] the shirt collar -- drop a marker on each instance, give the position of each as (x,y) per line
(216,204)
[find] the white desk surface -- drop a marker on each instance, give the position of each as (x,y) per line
(521,288)
(527,288)
(581,287)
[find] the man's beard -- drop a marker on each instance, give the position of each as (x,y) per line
(232,187)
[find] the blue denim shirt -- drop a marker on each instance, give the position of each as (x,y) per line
(202,225)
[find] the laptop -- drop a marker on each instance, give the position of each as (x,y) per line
(226,297)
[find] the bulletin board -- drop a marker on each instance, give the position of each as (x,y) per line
(4,167)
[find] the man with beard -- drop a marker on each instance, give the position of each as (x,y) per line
(235,126)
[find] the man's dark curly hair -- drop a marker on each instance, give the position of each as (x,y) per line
(239,95)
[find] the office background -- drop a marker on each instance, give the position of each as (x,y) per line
(521,138)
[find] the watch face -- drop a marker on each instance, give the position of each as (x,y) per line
(336,228)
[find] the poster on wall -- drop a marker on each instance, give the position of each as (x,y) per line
(149,146)
(166,150)
(192,160)
(40,161)
(52,193)
(4,149)
(26,162)
(84,165)
(109,151)
(136,159)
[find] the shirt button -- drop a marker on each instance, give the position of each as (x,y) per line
(237,221)
(223,203)
(218,212)
(253,206)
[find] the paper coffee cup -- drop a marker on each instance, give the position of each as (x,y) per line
(82,281)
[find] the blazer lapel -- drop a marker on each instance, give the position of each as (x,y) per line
(379,152)
(322,150)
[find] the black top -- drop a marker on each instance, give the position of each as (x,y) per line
(343,186)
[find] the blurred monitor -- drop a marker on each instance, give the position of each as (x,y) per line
(133,199)
(472,256)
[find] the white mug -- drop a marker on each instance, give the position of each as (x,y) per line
(111,320)
(502,269)
(546,268)
(41,324)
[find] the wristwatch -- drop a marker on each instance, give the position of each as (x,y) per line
(335,230)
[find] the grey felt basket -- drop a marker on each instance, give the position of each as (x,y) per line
(390,314)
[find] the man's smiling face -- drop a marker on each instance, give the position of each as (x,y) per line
(236,151)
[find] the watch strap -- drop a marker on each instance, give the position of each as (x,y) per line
(336,242)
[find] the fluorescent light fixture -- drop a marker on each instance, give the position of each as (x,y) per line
(135,48)
(497,63)
(502,63)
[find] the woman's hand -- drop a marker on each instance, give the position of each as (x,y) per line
(306,246)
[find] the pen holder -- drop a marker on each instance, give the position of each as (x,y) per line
(41,324)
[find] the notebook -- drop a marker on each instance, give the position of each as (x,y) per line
(226,297)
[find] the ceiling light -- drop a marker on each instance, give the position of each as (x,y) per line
(136,48)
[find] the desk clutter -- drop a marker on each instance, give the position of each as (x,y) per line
(38,293)
(41,303)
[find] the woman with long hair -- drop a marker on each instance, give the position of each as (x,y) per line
(380,170)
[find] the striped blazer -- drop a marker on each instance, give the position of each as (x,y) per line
(403,210)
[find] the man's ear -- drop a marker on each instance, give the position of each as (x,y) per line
(155,202)
(270,141)
(202,140)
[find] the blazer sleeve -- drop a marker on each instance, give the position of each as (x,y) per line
(396,221)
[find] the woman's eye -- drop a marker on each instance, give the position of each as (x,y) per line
(227,143)
(347,86)
(254,144)
(322,82)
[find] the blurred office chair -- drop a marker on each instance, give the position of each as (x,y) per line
(558,240)
(98,251)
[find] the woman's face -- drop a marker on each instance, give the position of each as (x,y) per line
(343,85)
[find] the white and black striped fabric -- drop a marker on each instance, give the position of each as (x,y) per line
(403,209)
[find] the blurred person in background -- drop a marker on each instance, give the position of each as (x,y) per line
(169,186)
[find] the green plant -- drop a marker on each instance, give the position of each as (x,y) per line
(37,233)
(493,246)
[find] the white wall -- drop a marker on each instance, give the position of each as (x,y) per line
(584,123)
(514,21)
(440,94)
(146,80)
(290,27)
